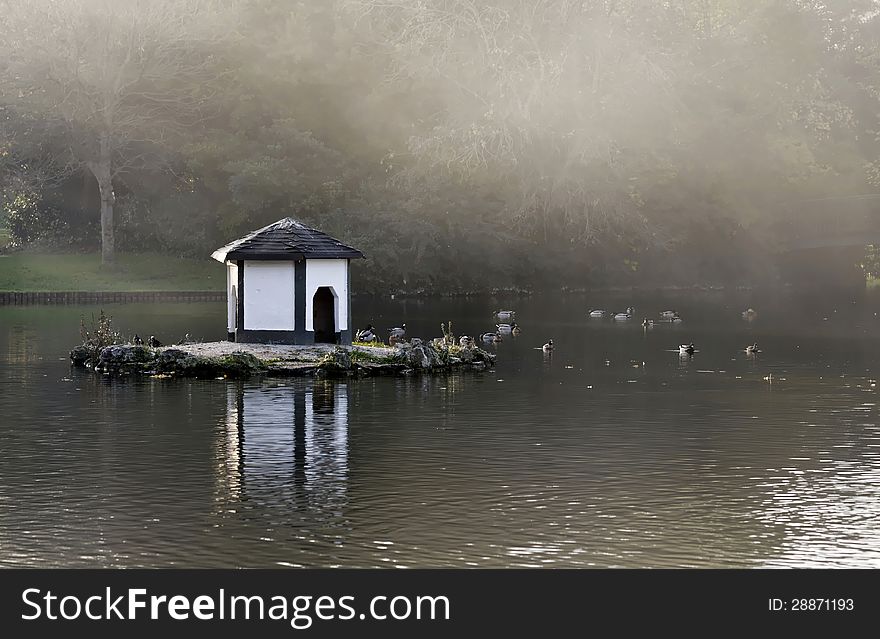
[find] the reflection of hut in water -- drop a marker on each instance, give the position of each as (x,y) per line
(287,445)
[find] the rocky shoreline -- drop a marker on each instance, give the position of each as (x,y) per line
(230,359)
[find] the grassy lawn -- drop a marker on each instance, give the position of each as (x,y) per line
(132,272)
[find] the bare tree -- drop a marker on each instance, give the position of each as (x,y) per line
(122,77)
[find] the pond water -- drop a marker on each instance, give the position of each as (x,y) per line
(613,451)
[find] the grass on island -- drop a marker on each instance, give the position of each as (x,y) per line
(44,272)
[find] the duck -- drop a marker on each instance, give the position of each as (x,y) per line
(630,310)
(466,341)
(686,349)
(668,314)
(622,317)
(367,334)
(548,346)
(597,313)
(397,332)
(752,348)
(505,315)
(137,341)
(515,329)
(676,319)
(491,337)
(749,314)
(647,323)
(154,342)
(506,328)
(186,340)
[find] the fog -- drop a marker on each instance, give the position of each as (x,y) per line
(461,144)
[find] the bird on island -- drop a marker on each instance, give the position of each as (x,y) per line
(397,332)
(367,334)
(466,341)
(505,315)
(154,342)
(186,340)
(668,314)
(752,348)
(686,349)
(137,341)
(597,313)
(491,337)
(548,346)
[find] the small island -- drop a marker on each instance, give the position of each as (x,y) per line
(230,359)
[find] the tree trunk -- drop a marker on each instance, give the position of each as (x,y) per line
(101,169)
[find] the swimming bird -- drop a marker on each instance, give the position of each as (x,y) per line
(752,348)
(154,342)
(506,328)
(491,337)
(622,317)
(397,332)
(630,310)
(668,314)
(548,346)
(505,315)
(597,313)
(647,323)
(137,341)
(749,314)
(515,329)
(367,334)
(686,349)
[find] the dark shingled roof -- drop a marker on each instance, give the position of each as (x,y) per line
(286,239)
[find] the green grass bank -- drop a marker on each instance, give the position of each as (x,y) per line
(44,272)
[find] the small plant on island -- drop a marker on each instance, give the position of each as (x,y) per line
(99,335)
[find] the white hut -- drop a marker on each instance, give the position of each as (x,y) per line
(288,284)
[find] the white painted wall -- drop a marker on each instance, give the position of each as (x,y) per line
(332,273)
(231,294)
(268,295)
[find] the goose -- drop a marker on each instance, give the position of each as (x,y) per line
(491,337)
(505,315)
(686,349)
(752,348)
(367,334)
(668,314)
(622,317)
(548,346)
(506,328)
(465,341)
(597,313)
(137,341)
(397,332)
(154,342)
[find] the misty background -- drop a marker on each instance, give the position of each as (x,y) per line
(461,144)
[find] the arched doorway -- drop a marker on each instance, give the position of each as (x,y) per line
(323,315)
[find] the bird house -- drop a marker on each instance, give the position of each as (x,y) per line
(287,283)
